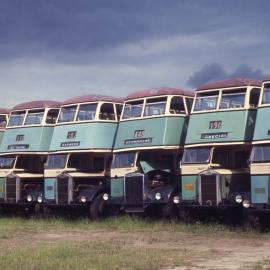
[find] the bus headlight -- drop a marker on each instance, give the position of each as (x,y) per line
(158,196)
(176,199)
(105,196)
(246,203)
(83,199)
(29,198)
(39,199)
(238,198)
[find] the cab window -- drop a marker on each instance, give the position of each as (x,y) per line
(87,112)
(34,117)
(133,109)
(107,112)
(177,105)
(86,163)
(16,119)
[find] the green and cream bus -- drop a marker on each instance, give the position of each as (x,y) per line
(148,147)
(4,113)
(215,168)
(260,159)
(23,152)
(78,167)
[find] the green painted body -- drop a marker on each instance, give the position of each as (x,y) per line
(117,187)
(1,135)
(236,126)
(98,135)
(2,188)
(160,131)
(26,139)
(260,189)
(262,126)
(189,187)
(49,188)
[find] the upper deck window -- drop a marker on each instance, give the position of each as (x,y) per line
(119,108)
(233,99)
(189,102)
(16,119)
(177,105)
(260,153)
(132,109)
(155,106)
(34,117)
(3,119)
(87,112)
(52,116)
(7,162)
(266,94)
(206,101)
(196,155)
(67,114)
(107,112)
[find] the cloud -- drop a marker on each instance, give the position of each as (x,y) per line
(215,71)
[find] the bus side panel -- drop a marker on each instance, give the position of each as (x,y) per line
(117,187)
(22,139)
(83,136)
(217,127)
(260,188)
(262,124)
(189,187)
(49,188)
(160,131)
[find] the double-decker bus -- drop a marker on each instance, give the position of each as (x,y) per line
(148,147)
(215,169)
(4,113)
(78,166)
(23,152)
(259,206)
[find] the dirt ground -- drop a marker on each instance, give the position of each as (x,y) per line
(228,252)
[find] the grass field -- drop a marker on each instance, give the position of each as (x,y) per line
(128,243)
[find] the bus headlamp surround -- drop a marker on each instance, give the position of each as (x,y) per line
(29,198)
(157,196)
(246,203)
(238,198)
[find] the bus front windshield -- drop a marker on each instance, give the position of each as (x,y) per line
(123,160)
(7,162)
(260,153)
(57,161)
(197,155)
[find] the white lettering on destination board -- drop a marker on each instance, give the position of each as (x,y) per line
(138,141)
(219,135)
(69,144)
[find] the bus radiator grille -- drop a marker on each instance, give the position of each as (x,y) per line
(134,190)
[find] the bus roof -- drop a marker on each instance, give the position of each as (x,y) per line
(229,83)
(159,92)
(91,98)
(4,111)
(267,78)
(37,104)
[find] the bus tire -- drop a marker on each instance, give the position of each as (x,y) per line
(98,207)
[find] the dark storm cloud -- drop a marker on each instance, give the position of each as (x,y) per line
(34,28)
(215,71)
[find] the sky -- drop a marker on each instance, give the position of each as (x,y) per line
(57,49)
